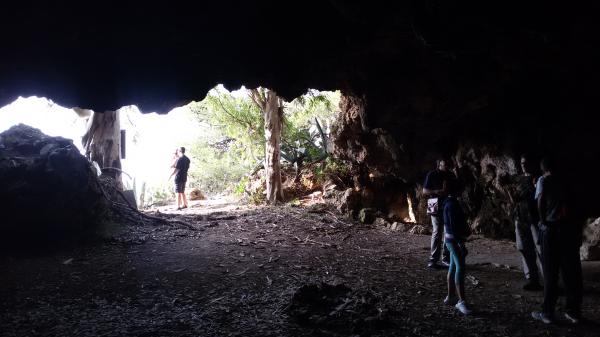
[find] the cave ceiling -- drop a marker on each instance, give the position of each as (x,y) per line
(104,55)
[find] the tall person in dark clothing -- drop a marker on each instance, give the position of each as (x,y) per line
(525,214)
(433,190)
(180,171)
(560,240)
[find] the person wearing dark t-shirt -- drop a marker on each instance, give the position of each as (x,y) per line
(433,190)
(180,171)
(525,214)
(559,240)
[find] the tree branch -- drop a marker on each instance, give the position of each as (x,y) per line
(237,119)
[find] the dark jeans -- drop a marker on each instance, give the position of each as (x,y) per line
(560,253)
(437,240)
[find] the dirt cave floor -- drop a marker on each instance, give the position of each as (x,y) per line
(269,271)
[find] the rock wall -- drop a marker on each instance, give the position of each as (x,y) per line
(390,145)
(590,249)
(48,191)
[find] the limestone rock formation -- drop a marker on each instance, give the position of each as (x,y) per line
(349,201)
(48,190)
(366,215)
(590,249)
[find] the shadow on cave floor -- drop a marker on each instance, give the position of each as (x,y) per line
(269,271)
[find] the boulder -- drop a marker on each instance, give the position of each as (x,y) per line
(349,201)
(330,189)
(590,249)
(366,215)
(48,190)
(196,194)
(419,229)
(401,226)
(381,222)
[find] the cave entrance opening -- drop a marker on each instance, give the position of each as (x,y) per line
(224,135)
(239,147)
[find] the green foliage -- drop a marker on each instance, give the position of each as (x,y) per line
(303,137)
(337,167)
(331,167)
(294,202)
(240,188)
(233,117)
(234,142)
(159,195)
(216,170)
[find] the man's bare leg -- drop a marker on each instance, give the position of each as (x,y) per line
(184,200)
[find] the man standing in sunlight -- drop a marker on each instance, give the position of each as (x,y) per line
(180,171)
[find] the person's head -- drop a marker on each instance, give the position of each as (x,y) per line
(526,164)
(181,150)
(444,164)
(547,165)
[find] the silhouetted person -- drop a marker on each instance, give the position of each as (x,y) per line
(180,171)
(526,223)
(433,190)
(456,233)
(560,240)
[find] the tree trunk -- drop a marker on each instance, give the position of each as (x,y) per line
(273,123)
(102,143)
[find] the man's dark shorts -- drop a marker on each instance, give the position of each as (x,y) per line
(180,187)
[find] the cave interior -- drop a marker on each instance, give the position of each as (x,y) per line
(478,81)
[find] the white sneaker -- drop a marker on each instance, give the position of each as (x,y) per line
(450,300)
(462,307)
(572,318)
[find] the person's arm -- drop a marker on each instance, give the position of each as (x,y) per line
(175,170)
(448,219)
(541,202)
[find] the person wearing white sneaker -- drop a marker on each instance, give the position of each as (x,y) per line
(457,231)
(462,307)
(560,239)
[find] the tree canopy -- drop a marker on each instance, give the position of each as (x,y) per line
(234,142)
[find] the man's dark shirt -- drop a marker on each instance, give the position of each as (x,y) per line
(182,166)
(525,205)
(435,181)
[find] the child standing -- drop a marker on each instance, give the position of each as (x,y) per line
(457,232)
